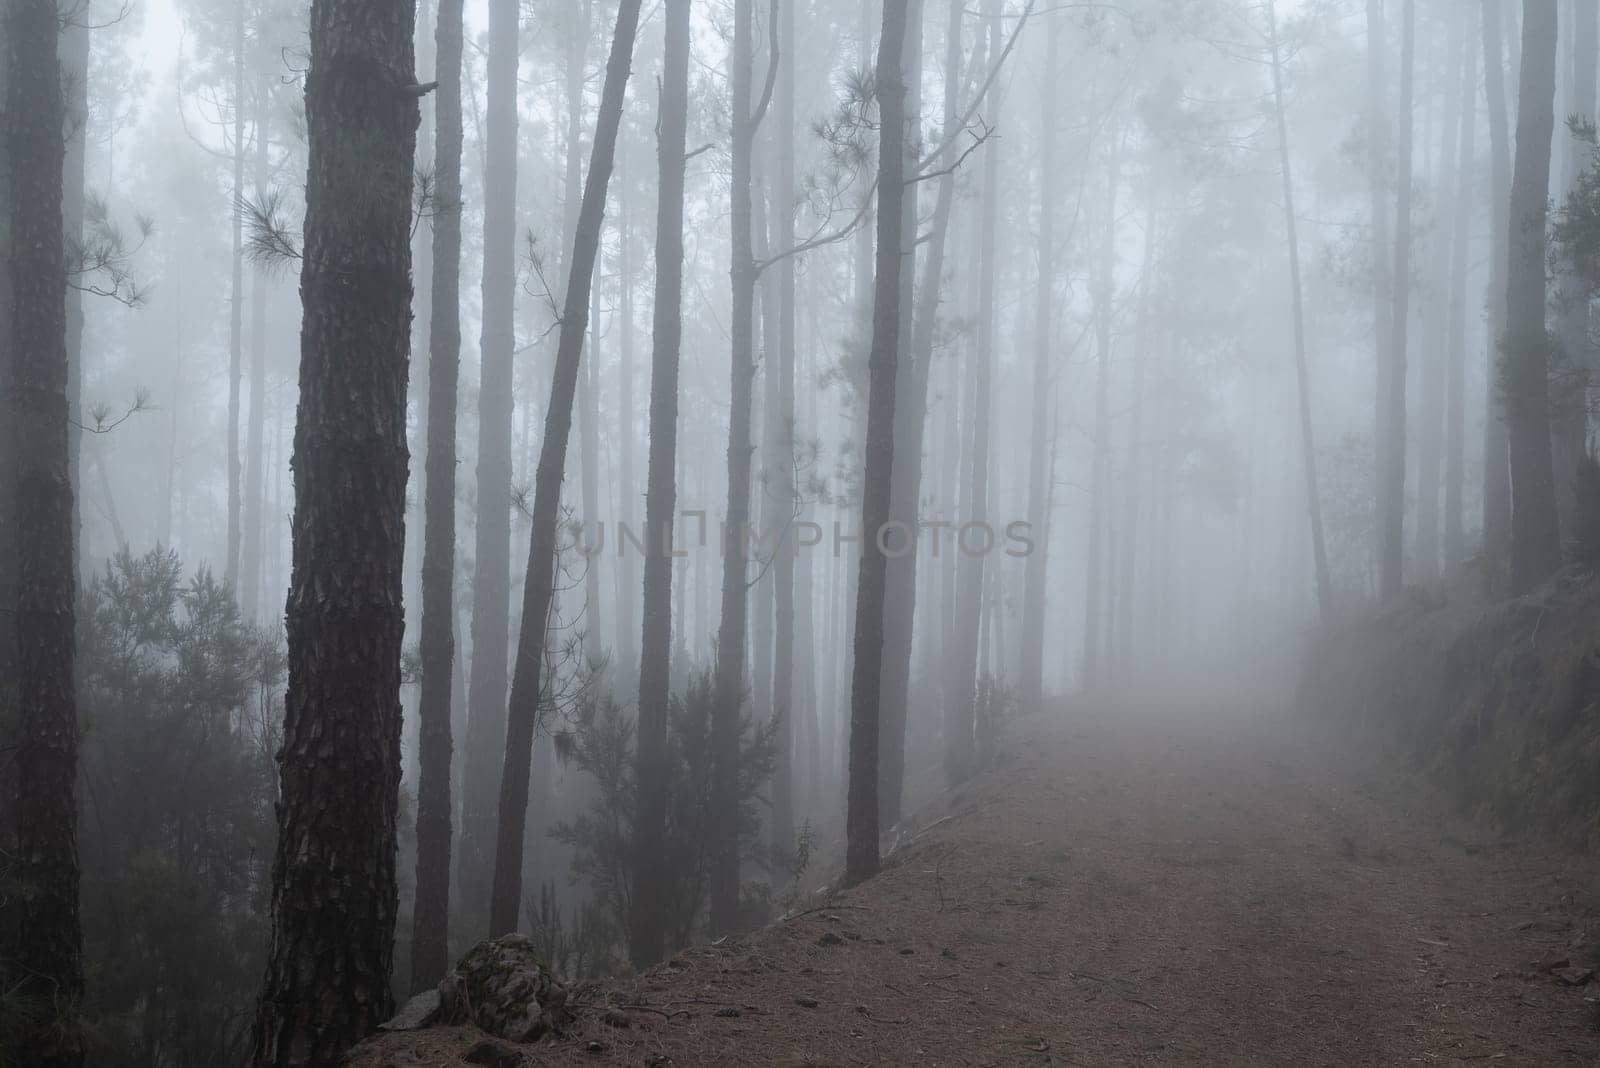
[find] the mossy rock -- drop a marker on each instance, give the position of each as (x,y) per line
(502,987)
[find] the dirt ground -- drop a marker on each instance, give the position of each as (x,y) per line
(1191,885)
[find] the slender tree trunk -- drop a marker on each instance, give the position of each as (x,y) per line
(1030,684)
(1124,658)
(431,916)
(333,875)
(1392,460)
(236,307)
(1535,543)
(1571,388)
(647,935)
(1378,181)
(729,682)
(1434,379)
(539,586)
(1496,455)
(861,818)
(627,619)
(901,534)
(959,707)
(1302,373)
(42,939)
(1455,460)
(491,579)
(1093,623)
(255,440)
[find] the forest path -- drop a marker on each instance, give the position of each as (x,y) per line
(1151,885)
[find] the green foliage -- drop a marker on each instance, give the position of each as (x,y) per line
(600,740)
(180,702)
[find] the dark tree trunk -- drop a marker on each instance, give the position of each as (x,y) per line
(1030,684)
(8,510)
(1570,389)
(491,578)
(1455,442)
(42,938)
(539,587)
(1496,466)
(959,707)
(1392,457)
(431,915)
(1302,373)
(1535,543)
(647,935)
(729,683)
(861,818)
(333,875)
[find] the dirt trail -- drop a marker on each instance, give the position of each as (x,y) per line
(1142,888)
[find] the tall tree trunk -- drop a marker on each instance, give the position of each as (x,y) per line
(861,817)
(333,874)
(8,508)
(1455,459)
(539,586)
(646,930)
(255,436)
(729,682)
(1571,393)
(42,939)
(75,83)
(905,487)
(1496,454)
(1030,684)
(959,709)
(431,915)
(491,579)
(1123,647)
(1378,178)
(627,658)
(1105,291)
(1535,542)
(236,307)
(1433,380)
(1392,458)
(1302,373)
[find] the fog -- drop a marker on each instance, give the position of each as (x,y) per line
(1193,344)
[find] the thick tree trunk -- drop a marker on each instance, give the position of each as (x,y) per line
(8,508)
(491,579)
(1535,542)
(1302,373)
(1455,442)
(1392,458)
(1570,392)
(42,940)
(961,693)
(647,934)
(1030,683)
(627,658)
(861,817)
(1496,456)
(333,875)
(75,86)
(539,587)
(431,915)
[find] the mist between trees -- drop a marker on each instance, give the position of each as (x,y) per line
(321,325)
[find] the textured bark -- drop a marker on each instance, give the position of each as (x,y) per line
(1535,543)
(75,87)
(728,693)
(647,934)
(1392,457)
(431,914)
(1319,550)
(1030,685)
(1571,387)
(861,815)
(905,485)
(959,709)
(539,587)
(255,433)
(491,579)
(8,510)
(1455,442)
(42,938)
(1496,456)
(333,875)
